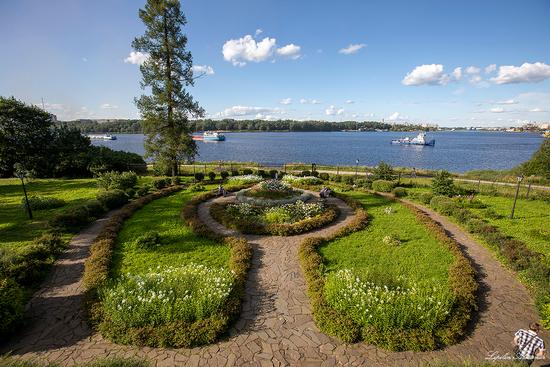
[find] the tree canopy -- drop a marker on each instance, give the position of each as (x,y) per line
(167,71)
(539,164)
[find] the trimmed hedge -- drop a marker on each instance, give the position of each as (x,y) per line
(219,213)
(399,192)
(112,199)
(517,255)
(176,334)
(461,281)
(383,185)
(42,202)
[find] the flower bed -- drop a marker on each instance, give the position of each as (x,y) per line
(206,300)
(244,179)
(271,189)
(389,311)
(302,180)
(282,220)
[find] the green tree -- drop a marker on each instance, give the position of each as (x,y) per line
(539,164)
(25,137)
(383,172)
(167,71)
(443,184)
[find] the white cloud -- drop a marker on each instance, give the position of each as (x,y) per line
(203,69)
(108,106)
(84,59)
(476,80)
(349,101)
(457,73)
(490,68)
(537,109)
(472,70)
(136,58)
(258,32)
(290,50)
(309,101)
(352,48)
(237,111)
(497,110)
(508,101)
(395,116)
(245,49)
(526,73)
(286,101)
(431,74)
(334,111)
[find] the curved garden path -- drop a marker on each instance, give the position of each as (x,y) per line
(276,326)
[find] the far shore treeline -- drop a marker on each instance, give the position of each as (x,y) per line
(135,126)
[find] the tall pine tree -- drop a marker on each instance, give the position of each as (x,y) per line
(167,71)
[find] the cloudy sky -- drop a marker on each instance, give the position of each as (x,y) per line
(482,63)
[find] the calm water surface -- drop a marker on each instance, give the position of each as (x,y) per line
(456,151)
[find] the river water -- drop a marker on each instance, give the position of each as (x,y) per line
(456,151)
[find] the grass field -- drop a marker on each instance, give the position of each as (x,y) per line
(420,257)
(531,223)
(179,246)
(16,230)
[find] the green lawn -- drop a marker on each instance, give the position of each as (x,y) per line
(179,246)
(531,223)
(420,257)
(16,230)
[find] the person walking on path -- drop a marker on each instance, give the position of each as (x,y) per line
(528,346)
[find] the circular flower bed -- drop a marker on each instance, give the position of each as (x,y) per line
(282,220)
(272,193)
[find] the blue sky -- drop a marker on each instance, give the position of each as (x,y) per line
(480,63)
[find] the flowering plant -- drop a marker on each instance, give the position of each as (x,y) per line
(188,293)
(305,180)
(244,179)
(397,306)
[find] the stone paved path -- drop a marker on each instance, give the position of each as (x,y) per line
(276,326)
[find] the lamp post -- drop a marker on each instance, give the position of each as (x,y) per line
(519,178)
(21,173)
(356,167)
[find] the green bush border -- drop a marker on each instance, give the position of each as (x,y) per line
(461,281)
(219,213)
(176,334)
(516,254)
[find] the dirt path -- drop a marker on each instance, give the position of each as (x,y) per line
(276,326)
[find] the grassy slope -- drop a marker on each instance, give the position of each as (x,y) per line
(179,245)
(16,230)
(420,257)
(531,223)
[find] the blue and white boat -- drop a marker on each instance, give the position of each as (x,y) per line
(210,136)
(102,137)
(419,140)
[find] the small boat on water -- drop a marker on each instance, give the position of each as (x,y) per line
(102,137)
(419,140)
(210,136)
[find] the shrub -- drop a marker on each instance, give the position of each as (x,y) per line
(348,180)
(72,219)
(305,173)
(212,175)
(361,182)
(261,173)
(42,203)
(176,180)
(196,188)
(143,190)
(324,176)
(116,180)
(247,171)
(234,173)
(399,192)
(112,199)
(94,208)
(224,175)
(443,204)
(336,178)
(147,241)
(273,173)
(159,183)
(425,197)
(443,184)
(12,303)
(383,172)
(383,185)
(199,176)
(315,173)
